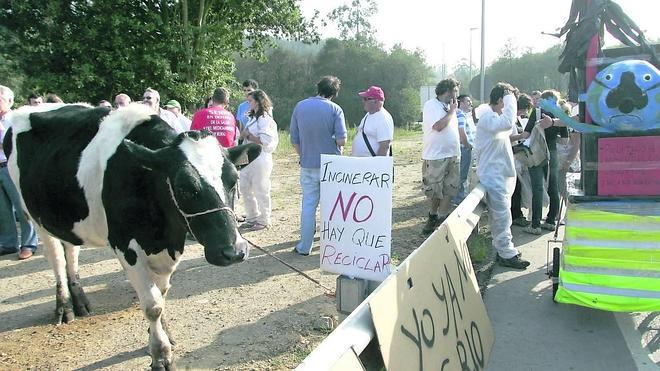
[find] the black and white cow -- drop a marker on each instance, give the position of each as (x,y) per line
(124,179)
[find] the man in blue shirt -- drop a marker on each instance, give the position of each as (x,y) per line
(317,127)
(242,118)
(466,132)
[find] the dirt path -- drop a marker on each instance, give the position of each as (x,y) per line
(255,315)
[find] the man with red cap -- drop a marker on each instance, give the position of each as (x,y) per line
(376,130)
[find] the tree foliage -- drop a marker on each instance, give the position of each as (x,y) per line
(530,71)
(290,76)
(92,50)
(353,21)
(526,70)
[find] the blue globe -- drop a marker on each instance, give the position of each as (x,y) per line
(626,96)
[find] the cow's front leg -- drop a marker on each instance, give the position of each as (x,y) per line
(152,304)
(55,253)
(81,305)
(162,280)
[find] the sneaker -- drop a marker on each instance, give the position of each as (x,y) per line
(521,222)
(246,226)
(531,230)
(548,226)
(431,224)
(255,227)
(514,262)
(240,219)
(295,250)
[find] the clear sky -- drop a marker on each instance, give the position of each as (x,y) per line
(441,28)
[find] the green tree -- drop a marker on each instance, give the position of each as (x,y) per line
(530,71)
(287,77)
(462,74)
(9,68)
(353,21)
(91,50)
(399,72)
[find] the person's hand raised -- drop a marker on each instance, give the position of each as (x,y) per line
(545,122)
(453,104)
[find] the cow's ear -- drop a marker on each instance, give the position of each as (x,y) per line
(242,155)
(147,158)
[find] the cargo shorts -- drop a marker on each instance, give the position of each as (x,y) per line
(440,178)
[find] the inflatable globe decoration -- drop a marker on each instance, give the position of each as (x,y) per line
(625,96)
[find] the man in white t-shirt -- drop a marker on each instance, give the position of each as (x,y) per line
(377,125)
(441,152)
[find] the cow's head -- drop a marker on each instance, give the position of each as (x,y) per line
(199,182)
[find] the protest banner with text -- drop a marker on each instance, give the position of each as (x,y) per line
(356,216)
(430,316)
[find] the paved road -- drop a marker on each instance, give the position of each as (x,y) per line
(534,333)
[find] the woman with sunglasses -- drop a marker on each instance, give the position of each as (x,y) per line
(255,178)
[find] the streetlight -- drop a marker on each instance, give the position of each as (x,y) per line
(471,29)
(483,55)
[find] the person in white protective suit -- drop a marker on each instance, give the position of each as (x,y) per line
(496,170)
(255,177)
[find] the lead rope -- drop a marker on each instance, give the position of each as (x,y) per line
(328,291)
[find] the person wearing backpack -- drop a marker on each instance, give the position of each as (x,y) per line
(376,131)
(549,168)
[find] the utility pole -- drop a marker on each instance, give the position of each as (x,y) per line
(471,29)
(483,55)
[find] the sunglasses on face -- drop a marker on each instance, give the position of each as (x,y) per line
(367,99)
(147,98)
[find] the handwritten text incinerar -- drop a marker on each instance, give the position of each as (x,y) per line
(382,180)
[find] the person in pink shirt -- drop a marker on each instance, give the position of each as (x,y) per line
(217,119)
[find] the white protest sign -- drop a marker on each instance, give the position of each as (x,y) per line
(356,216)
(429,315)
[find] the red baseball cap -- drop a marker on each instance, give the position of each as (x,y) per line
(373,92)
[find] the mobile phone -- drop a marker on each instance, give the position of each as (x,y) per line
(538,114)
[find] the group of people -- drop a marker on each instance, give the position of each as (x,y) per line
(453,129)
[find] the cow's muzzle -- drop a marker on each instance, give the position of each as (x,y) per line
(227,255)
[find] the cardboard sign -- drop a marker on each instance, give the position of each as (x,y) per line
(356,216)
(430,315)
(629,166)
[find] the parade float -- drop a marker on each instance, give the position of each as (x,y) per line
(609,258)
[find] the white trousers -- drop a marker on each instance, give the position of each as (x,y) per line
(498,198)
(255,189)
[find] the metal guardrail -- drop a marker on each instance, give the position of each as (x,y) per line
(357,330)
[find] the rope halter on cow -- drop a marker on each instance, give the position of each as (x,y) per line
(186,216)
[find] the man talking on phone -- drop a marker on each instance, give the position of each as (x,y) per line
(441,152)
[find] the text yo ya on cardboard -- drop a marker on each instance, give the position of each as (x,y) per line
(430,315)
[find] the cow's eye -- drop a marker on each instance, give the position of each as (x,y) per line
(608,77)
(647,77)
